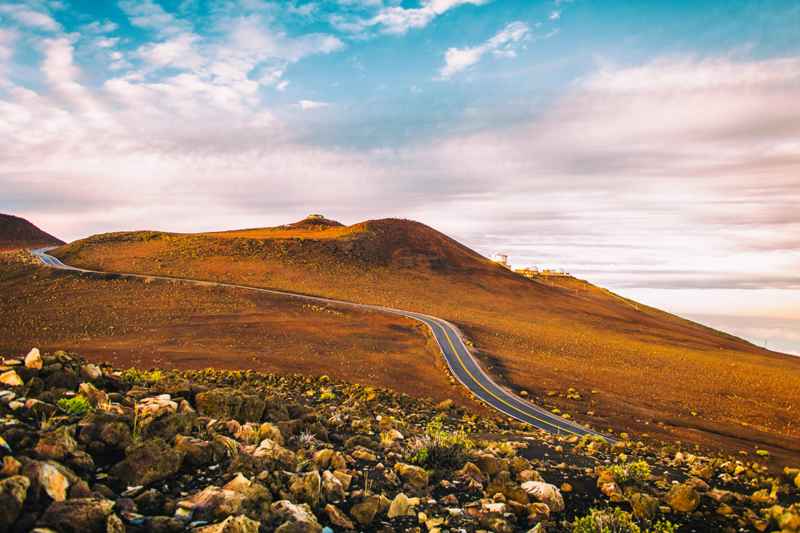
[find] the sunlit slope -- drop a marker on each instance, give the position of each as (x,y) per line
(650,370)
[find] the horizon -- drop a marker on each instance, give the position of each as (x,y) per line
(650,149)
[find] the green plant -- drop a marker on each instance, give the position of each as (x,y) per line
(134,376)
(440,448)
(606,521)
(617,521)
(75,406)
(634,472)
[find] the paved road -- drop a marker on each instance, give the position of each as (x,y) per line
(459,359)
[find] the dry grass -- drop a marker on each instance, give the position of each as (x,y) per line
(651,371)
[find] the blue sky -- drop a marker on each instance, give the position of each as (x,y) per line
(651,147)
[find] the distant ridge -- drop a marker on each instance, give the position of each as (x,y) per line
(16,232)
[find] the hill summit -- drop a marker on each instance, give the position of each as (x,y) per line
(16,232)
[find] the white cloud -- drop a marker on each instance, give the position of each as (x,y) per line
(100,27)
(177,51)
(395,19)
(502,44)
(307,105)
(30,17)
(149,15)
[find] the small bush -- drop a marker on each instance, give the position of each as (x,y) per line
(634,472)
(606,521)
(439,448)
(617,521)
(134,376)
(75,406)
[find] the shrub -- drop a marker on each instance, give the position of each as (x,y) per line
(617,521)
(134,376)
(439,448)
(75,406)
(634,472)
(606,521)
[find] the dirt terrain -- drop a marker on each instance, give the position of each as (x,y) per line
(631,367)
(160,324)
(16,233)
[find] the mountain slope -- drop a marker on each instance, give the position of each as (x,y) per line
(634,367)
(16,232)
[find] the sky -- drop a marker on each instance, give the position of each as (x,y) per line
(649,147)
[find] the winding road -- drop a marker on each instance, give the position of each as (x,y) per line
(460,360)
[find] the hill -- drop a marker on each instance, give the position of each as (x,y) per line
(570,345)
(16,233)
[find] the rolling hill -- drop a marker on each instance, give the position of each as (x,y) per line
(630,367)
(16,233)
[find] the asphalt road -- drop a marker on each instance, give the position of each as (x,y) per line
(459,359)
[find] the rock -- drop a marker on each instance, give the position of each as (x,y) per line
(295,518)
(106,429)
(272,451)
(79,515)
(323,457)
(365,511)
(489,464)
(337,517)
(400,506)
(13,491)
(644,506)
(34,360)
(196,452)
(11,467)
(415,476)
(362,454)
(158,416)
(213,503)
(683,498)
(332,488)
(148,461)
(11,378)
(444,405)
(150,502)
(230,403)
(53,478)
(470,471)
(232,524)
(545,493)
(306,488)
(91,372)
(95,396)
(57,444)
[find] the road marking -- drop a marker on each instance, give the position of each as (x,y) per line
(493,395)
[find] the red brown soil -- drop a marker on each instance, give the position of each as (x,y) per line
(16,233)
(651,372)
(161,324)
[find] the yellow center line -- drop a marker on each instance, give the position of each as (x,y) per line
(493,395)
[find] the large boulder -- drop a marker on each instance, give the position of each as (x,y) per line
(306,488)
(365,512)
(147,462)
(34,360)
(158,416)
(295,518)
(79,515)
(545,493)
(57,444)
(13,492)
(214,503)
(103,431)
(228,403)
(197,452)
(415,476)
(683,498)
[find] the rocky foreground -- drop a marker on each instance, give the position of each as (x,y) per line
(87,448)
